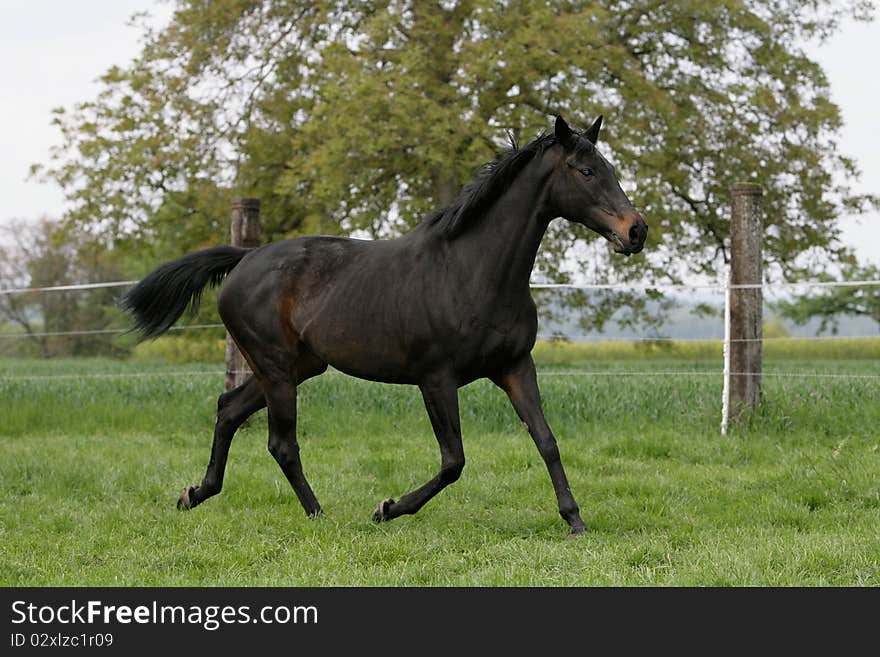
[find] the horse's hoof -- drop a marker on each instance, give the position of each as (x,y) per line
(184,502)
(381,512)
(577,531)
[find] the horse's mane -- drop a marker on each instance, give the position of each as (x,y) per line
(493,180)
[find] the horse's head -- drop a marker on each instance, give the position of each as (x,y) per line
(584,189)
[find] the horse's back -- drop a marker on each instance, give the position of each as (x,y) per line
(361,306)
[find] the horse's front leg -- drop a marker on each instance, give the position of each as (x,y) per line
(521,385)
(441,402)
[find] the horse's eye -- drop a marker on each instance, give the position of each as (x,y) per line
(588,172)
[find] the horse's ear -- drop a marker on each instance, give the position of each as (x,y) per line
(592,133)
(564,135)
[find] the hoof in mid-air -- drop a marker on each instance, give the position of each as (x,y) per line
(184,502)
(381,512)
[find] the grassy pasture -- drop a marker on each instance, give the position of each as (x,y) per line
(90,469)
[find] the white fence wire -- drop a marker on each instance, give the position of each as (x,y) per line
(65,288)
(630,287)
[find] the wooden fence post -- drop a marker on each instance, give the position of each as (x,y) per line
(745,303)
(244,231)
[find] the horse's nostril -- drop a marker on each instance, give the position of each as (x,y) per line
(634,234)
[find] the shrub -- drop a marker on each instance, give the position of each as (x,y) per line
(177,349)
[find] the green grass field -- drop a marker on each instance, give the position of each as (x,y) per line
(90,470)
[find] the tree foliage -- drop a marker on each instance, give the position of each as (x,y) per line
(344,116)
(57,323)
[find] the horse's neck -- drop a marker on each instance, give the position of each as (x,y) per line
(500,251)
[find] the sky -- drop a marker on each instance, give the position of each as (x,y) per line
(53,51)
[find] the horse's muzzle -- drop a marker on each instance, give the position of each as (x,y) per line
(636,234)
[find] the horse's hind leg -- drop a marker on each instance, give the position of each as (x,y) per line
(233,408)
(283,445)
(281,400)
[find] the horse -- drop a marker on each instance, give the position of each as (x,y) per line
(439,307)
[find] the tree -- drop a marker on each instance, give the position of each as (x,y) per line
(346,116)
(44,254)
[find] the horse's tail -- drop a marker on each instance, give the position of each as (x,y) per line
(163,295)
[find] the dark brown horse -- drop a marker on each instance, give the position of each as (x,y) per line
(444,305)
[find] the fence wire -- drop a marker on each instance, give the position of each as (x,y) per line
(629,287)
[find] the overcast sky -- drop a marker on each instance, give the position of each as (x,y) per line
(52,51)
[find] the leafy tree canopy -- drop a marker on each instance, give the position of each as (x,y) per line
(345,116)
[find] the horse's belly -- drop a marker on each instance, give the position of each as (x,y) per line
(381,374)
(466,361)
(367,350)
